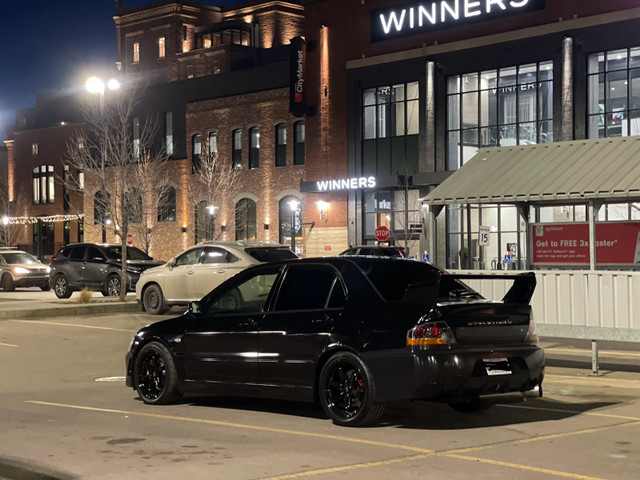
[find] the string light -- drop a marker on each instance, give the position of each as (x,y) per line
(47,219)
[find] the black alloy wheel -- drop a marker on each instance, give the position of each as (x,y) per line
(61,286)
(7,283)
(153,300)
(154,375)
(112,287)
(346,391)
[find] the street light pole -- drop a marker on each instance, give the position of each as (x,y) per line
(96,85)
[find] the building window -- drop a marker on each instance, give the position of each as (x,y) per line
(81,180)
(281,145)
(136,52)
(167,204)
(34,148)
(254,147)
(237,149)
(398,210)
(205,225)
(168,132)
(246,219)
(298,143)
(213,144)
(66,181)
(43,184)
(161,47)
(509,106)
(285,215)
(196,153)
(101,205)
(136,136)
(391,120)
(614,93)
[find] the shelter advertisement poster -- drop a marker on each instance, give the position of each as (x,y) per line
(566,244)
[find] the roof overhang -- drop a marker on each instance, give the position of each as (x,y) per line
(606,170)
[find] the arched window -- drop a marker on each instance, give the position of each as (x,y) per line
(167,204)
(298,143)
(101,205)
(196,152)
(246,219)
(43,184)
(236,154)
(205,222)
(286,214)
(213,144)
(281,145)
(254,150)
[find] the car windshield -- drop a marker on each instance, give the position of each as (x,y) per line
(270,254)
(133,253)
(19,258)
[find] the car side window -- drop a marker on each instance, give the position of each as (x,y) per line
(249,295)
(338,295)
(305,288)
(190,257)
(77,253)
(218,255)
(94,253)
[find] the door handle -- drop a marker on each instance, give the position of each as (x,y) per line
(219,271)
(190,272)
(249,323)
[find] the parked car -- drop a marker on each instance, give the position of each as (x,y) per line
(96,267)
(354,333)
(21,269)
(376,251)
(199,269)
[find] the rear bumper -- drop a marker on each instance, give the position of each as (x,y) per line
(441,374)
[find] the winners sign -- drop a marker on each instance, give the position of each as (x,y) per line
(427,16)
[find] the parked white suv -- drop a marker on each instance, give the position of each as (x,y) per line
(199,269)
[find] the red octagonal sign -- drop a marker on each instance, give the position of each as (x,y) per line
(382,233)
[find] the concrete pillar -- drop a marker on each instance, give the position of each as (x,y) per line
(566,119)
(428,160)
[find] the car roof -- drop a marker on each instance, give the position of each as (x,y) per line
(377,246)
(240,244)
(11,250)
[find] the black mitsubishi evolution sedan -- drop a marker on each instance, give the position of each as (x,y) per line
(353,333)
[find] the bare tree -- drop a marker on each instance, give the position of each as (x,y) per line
(118,151)
(11,229)
(212,185)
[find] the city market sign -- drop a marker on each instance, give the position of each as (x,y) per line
(424,17)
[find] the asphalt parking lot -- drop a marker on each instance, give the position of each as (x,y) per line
(67,414)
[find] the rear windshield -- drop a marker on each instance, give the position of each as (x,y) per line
(115,253)
(392,279)
(270,254)
(19,258)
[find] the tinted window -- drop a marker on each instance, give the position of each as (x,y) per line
(65,252)
(218,255)
(133,253)
(77,253)
(305,288)
(338,295)
(270,254)
(93,252)
(190,257)
(19,257)
(392,278)
(247,296)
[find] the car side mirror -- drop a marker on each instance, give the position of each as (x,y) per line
(195,307)
(171,263)
(98,259)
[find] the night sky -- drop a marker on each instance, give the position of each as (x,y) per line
(49,45)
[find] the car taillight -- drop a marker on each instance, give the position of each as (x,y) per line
(53,259)
(428,334)
(532,336)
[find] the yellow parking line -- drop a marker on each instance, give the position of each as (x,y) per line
(613,353)
(7,345)
(60,324)
(573,412)
(424,452)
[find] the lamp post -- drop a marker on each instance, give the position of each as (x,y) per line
(5,228)
(294,204)
(95,85)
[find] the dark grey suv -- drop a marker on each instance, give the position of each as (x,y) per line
(96,267)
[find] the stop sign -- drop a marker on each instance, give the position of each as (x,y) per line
(129,239)
(382,233)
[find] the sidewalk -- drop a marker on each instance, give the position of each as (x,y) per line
(33,303)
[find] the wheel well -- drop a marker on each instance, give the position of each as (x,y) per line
(5,275)
(322,360)
(144,290)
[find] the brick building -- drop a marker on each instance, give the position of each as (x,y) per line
(192,57)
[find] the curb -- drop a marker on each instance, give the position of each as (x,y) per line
(71,310)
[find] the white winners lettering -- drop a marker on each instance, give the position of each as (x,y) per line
(443,12)
(346,184)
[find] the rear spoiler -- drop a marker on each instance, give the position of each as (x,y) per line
(524,284)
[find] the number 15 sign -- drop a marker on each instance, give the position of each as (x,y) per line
(484,236)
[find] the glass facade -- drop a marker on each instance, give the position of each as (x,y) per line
(613,108)
(500,107)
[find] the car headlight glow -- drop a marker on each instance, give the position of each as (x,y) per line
(48,270)
(20,270)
